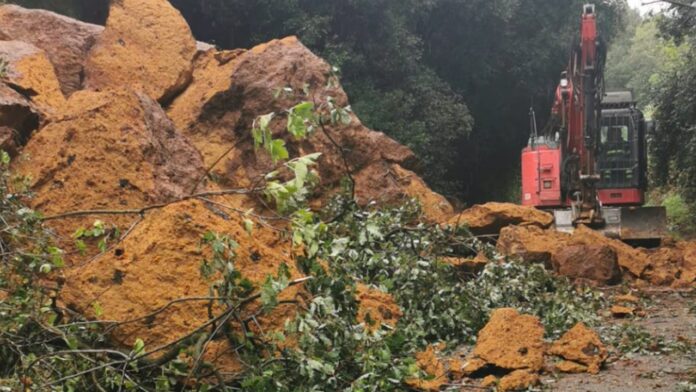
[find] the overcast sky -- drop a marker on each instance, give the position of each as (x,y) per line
(644,9)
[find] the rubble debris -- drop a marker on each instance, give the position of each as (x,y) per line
(146,45)
(518,380)
(670,265)
(490,218)
(376,308)
(596,263)
(29,73)
(230,89)
(511,341)
(583,345)
(65,41)
(106,150)
(160,261)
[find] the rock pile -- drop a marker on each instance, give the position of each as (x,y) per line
(589,255)
(510,354)
(123,124)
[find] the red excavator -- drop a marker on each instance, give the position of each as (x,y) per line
(589,164)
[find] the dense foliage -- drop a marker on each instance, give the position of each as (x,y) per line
(452,79)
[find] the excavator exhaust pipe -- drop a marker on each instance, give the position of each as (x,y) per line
(635,225)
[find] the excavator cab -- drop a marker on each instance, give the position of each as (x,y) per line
(623,166)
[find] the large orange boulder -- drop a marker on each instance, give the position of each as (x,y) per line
(110,150)
(146,45)
(230,89)
(510,341)
(633,260)
(490,218)
(596,263)
(65,41)
(28,71)
(159,263)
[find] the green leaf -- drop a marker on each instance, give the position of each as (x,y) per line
(278,150)
(248,226)
(98,311)
(139,346)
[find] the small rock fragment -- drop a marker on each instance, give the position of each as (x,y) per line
(630,298)
(511,341)
(429,362)
(581,344)
(570,367)
(619,311)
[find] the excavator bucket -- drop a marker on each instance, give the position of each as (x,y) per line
(629,224)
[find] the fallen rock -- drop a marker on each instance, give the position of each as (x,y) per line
(376,308)
(65,41)
(230,89)
(511,341)
(633,260)
(28,72)
(490,218)
(435,369)
(146,45)
(597,263)
(160,261)
(111,150)
(581,344)
(519,380)
(570,367)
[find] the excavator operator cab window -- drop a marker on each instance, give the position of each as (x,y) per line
(615,140)
(618,157)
